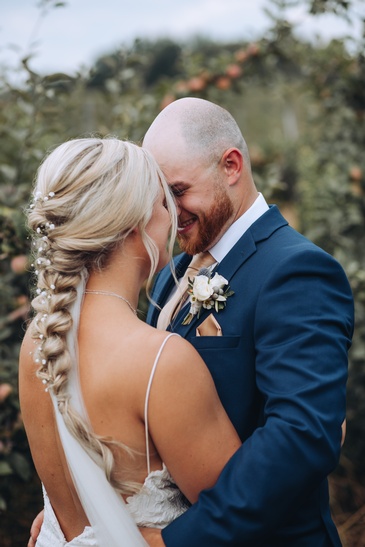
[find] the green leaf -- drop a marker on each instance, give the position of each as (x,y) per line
(20,465)
(5,469)
(3,505)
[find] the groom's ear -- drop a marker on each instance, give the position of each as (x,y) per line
(232,163)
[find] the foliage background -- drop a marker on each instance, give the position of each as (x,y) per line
(301,107)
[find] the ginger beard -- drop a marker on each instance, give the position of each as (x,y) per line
(210,224)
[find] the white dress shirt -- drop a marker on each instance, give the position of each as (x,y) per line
(238,228)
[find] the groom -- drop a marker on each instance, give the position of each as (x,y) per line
(280,363)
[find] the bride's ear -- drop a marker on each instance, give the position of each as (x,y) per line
(135,232)
(135,237)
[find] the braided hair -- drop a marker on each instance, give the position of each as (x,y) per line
(89,195)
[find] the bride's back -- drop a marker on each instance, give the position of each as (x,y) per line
(47,454)
(114,373)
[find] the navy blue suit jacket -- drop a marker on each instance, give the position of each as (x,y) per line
(280,369)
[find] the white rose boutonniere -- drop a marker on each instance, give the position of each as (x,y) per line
(207,292)
(202,290)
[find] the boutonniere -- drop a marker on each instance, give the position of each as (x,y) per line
(207,292)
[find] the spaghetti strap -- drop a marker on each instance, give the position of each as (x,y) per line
(147,399)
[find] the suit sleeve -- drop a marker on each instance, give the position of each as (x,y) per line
(303,326)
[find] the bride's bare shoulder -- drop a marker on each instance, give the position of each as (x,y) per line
(175,342)
(177,352)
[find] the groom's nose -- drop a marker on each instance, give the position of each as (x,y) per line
(178,207)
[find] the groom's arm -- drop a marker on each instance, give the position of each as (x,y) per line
(153,536)
(303,329)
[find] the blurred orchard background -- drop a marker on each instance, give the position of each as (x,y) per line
(301,106)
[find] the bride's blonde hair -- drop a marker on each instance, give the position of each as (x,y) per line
(89,195)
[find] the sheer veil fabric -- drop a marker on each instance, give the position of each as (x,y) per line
(106,511)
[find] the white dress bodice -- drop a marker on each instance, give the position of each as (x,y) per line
(158,502)
(155,505)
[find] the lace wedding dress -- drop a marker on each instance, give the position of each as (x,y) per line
(113,522)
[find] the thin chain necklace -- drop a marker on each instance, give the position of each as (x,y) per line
(106,293)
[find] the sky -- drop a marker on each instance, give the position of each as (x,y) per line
(72,37)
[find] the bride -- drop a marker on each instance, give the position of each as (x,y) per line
(123,421)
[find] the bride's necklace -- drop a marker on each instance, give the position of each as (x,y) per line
(106,293)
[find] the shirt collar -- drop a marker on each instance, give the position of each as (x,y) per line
(238,228)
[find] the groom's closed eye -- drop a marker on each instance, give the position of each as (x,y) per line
(177,190)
